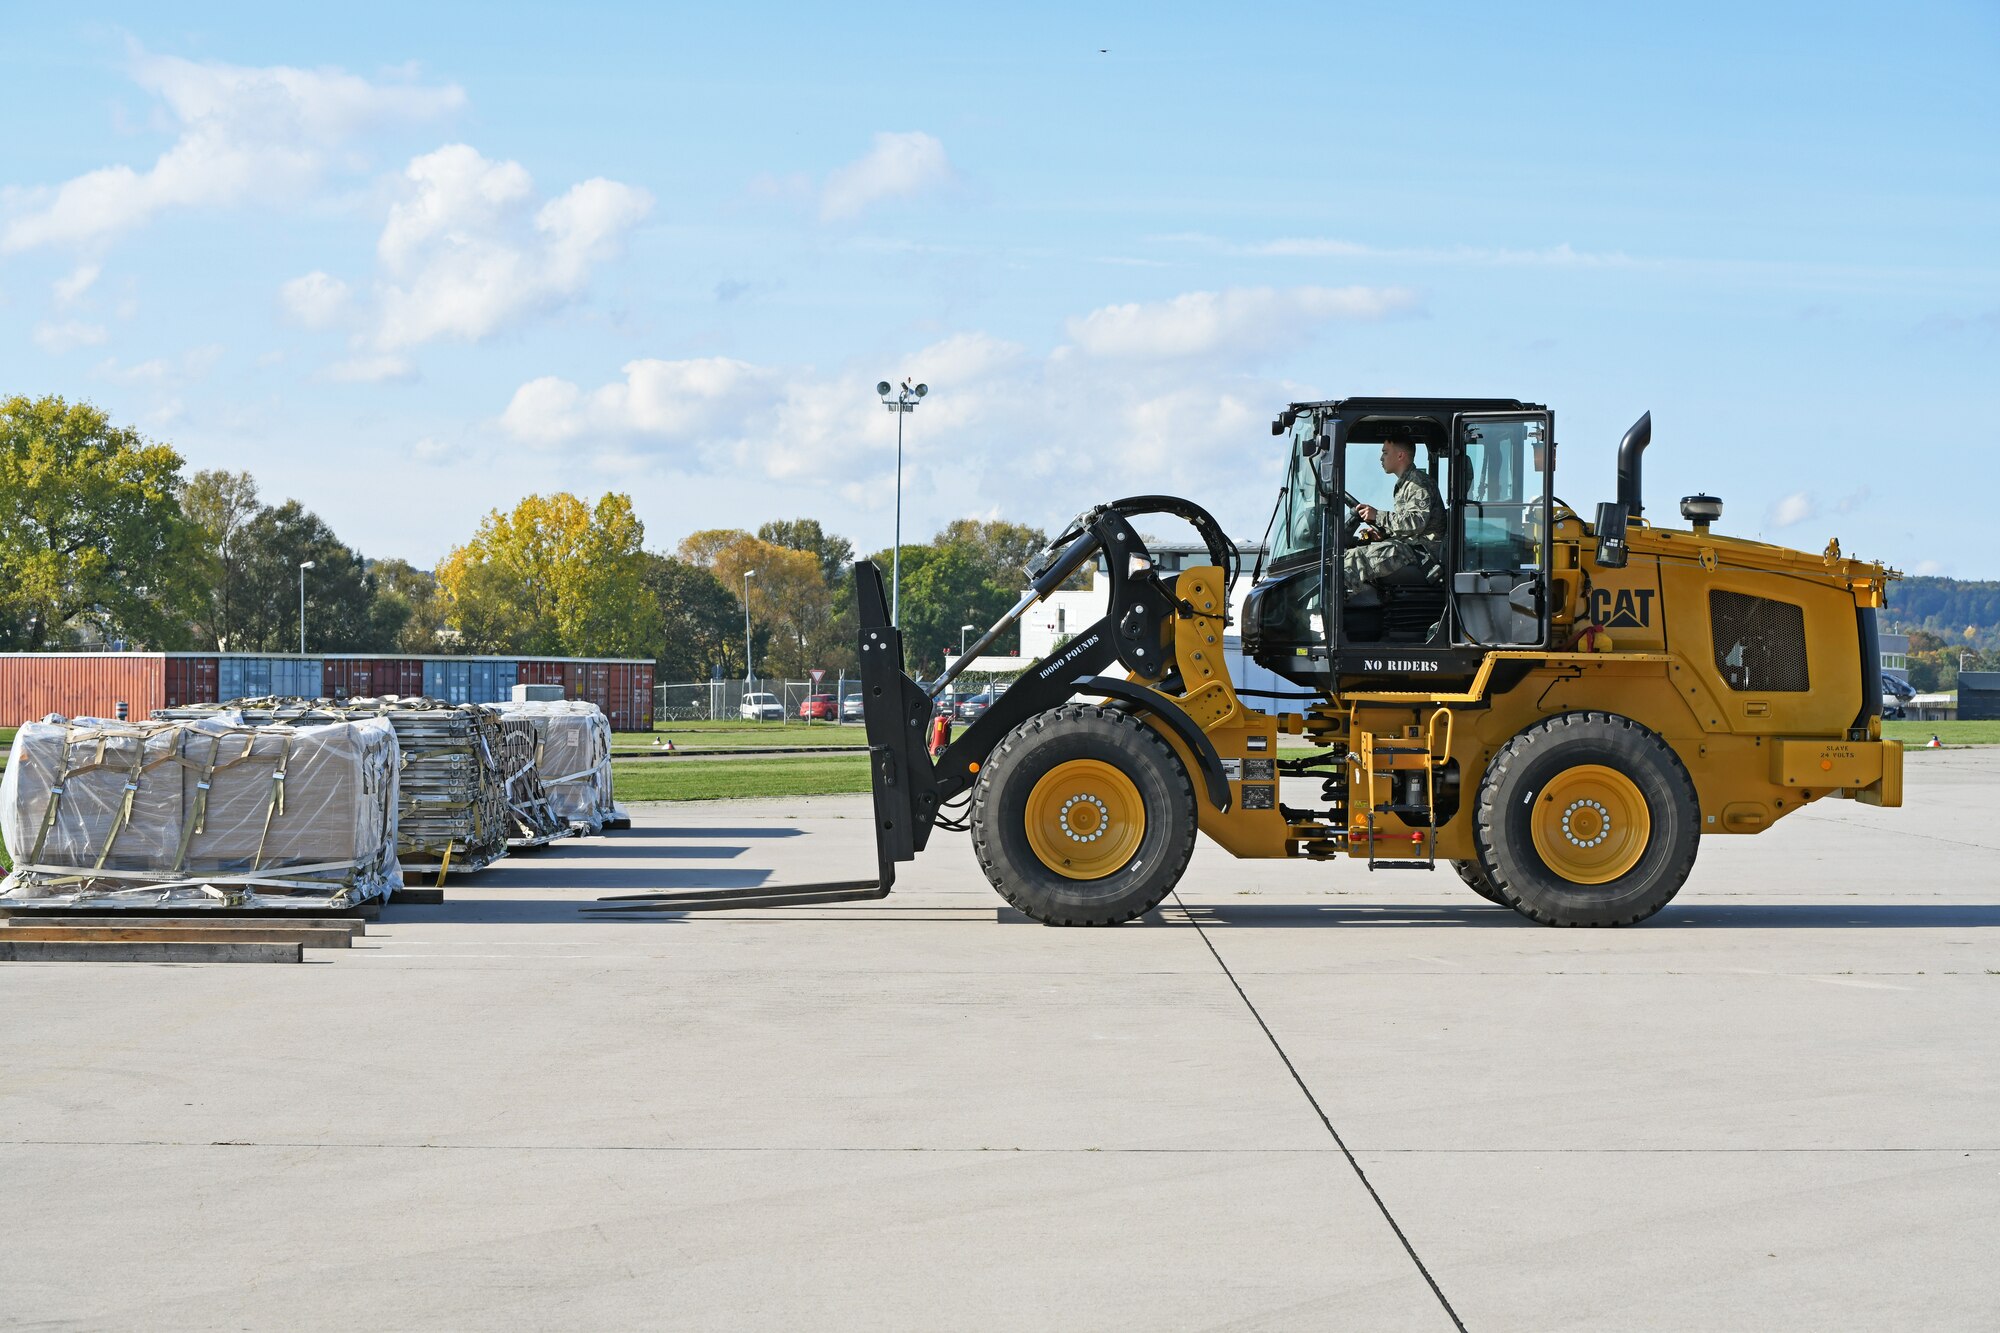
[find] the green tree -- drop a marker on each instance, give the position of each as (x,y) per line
(701,621)
(221,504)
(342,611)
(553,576)
(788,594)
(93,543)
(410,594)
(835,554)
(948,584)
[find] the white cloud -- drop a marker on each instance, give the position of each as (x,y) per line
(1237,321)
(897,166)
(70,288)
(1792,509)
(673,403)
(68,335)
(243,133)
(193,364)
(372,370)
(315,300)
(1928,567)
(1001,431)
(466,256)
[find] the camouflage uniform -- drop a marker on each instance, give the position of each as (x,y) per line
(1411,529)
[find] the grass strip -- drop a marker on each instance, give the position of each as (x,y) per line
(722,779)
(1969,732)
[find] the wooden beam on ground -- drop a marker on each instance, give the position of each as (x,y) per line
(351,925)
(417,897)
(369,911)
(144,951)
(311,939)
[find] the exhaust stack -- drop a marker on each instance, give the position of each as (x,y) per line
(1634,444)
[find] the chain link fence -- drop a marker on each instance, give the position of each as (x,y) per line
(723,701)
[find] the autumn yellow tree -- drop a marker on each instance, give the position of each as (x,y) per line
(787,590)
(554,576)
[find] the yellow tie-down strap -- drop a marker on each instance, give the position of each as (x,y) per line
(1870,771)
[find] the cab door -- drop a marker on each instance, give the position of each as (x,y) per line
(1502,487)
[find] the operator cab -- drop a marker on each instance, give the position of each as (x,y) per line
(1477,581)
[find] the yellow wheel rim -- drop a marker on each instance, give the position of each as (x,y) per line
(1085,819)
(1591,824)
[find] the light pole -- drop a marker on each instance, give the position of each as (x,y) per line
(748,574)
(961,637)
(904,403)
(303,567)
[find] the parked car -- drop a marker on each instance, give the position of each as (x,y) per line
(972,708)
(819,706)
(761,708)
(850,708)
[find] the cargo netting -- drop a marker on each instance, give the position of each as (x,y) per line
(573,758)
(536,822)
(204,813)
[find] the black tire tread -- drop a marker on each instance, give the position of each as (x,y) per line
(996,766)
(1527,744)
(1476,879)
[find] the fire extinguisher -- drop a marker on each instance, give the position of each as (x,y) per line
(940,732)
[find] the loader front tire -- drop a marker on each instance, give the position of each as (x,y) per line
(1083,816)
(1474,875)
(1587,819)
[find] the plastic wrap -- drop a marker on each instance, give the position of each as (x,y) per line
(453,811)
(535,820)
(205,813)
(574,758)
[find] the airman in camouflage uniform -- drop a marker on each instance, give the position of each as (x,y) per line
(1410,530)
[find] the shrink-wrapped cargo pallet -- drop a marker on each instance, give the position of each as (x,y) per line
(204,813)
(574,759)
(453,813)
(535,821)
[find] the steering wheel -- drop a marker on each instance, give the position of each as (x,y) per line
(1351,524)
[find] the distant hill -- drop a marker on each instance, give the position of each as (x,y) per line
(1947,607)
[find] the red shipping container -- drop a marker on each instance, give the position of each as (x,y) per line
(33,685)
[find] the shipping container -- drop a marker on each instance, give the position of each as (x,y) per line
(33,685)
(191,680)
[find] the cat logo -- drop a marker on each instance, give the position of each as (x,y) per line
(1627,608)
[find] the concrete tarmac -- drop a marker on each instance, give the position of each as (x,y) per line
(1299,1096)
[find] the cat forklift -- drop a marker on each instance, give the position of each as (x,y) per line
(1556,709)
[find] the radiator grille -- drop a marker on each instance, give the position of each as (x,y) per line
(1760,644)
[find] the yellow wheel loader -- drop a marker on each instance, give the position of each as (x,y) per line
(1557,709)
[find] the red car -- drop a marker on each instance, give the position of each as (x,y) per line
(822,706)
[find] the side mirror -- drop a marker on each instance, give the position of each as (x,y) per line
(1612,552)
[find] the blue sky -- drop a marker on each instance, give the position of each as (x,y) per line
(409,263)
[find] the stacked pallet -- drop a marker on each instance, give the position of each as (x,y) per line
(452,813)
(209,813)
(573,755)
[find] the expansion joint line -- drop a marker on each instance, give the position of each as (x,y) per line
(1320,1111)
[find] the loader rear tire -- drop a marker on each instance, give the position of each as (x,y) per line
(1083,816)
(1475,879)
(1587,819)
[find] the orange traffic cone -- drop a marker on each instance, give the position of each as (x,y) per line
(1934,743)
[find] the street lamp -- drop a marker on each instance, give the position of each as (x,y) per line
(904,403)
(961,637)
(303,567)
(748,574)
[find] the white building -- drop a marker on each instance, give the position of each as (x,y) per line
(1062,614)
